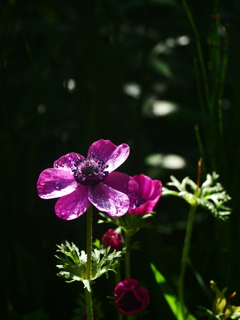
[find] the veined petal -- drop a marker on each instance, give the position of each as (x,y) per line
(149,193)
(55,183)
(143,208)
(118,156)
(73,205)
(68,161)
(109,200)
(125,184)
(148,188)
(111,154)
(102,149)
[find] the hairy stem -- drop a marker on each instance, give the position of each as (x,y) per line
(88,294)
(88,298)
(127,256)
(89,241)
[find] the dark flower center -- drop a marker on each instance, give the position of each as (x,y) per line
(129,302)
(140,201)
(90,171)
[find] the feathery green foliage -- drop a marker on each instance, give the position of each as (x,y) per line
(210,195)
(73,264)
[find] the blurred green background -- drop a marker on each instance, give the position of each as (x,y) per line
(73,72)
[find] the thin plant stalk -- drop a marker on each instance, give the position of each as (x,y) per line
(88,298)
(222,81)
(88,294)
(117,281)
(185,254)
(127,256)
(199,50)
(89,241)
(201,151)
(118,275)
(127,264)
(199,86)
(187,242)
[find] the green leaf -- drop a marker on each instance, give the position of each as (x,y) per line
(97,244)
(160,66)
(169,295)
(73,264)
(130,223)
(210,195)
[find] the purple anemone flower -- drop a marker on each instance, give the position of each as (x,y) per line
(80,181)
(130,297)
(150,192)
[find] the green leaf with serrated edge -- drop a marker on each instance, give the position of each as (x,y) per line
(73,264)
(210,195)
(169,295)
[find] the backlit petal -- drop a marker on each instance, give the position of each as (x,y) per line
(73,205)
(148,188)
(143,208)
(102,149)
(55,183)
(111,154)
(125,184)
(68,161)
(119,155)
(149,193)
(109,200)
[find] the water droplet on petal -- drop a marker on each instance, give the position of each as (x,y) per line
(57,185)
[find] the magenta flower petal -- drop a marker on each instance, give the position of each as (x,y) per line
(68,161)
(119,155)
(109,200)
(125,184)
(73,205)
(150,192)
(111,154)
(149,189)
(80,180)
(130,297)
(54,183)
(102,149)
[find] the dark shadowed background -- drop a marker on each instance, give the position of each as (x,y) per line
(73,72)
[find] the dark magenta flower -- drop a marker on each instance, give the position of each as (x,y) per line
(81,181)
(112,239)
(130,297)
(149,193)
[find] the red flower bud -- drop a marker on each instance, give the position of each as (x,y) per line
(112,239)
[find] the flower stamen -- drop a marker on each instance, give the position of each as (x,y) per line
(90,171)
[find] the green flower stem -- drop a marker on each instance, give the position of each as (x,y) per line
(88,294)
(118,275)
(88,298)
(185,253)
(127,256)
(199,50)
(89,241)
(117,280)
